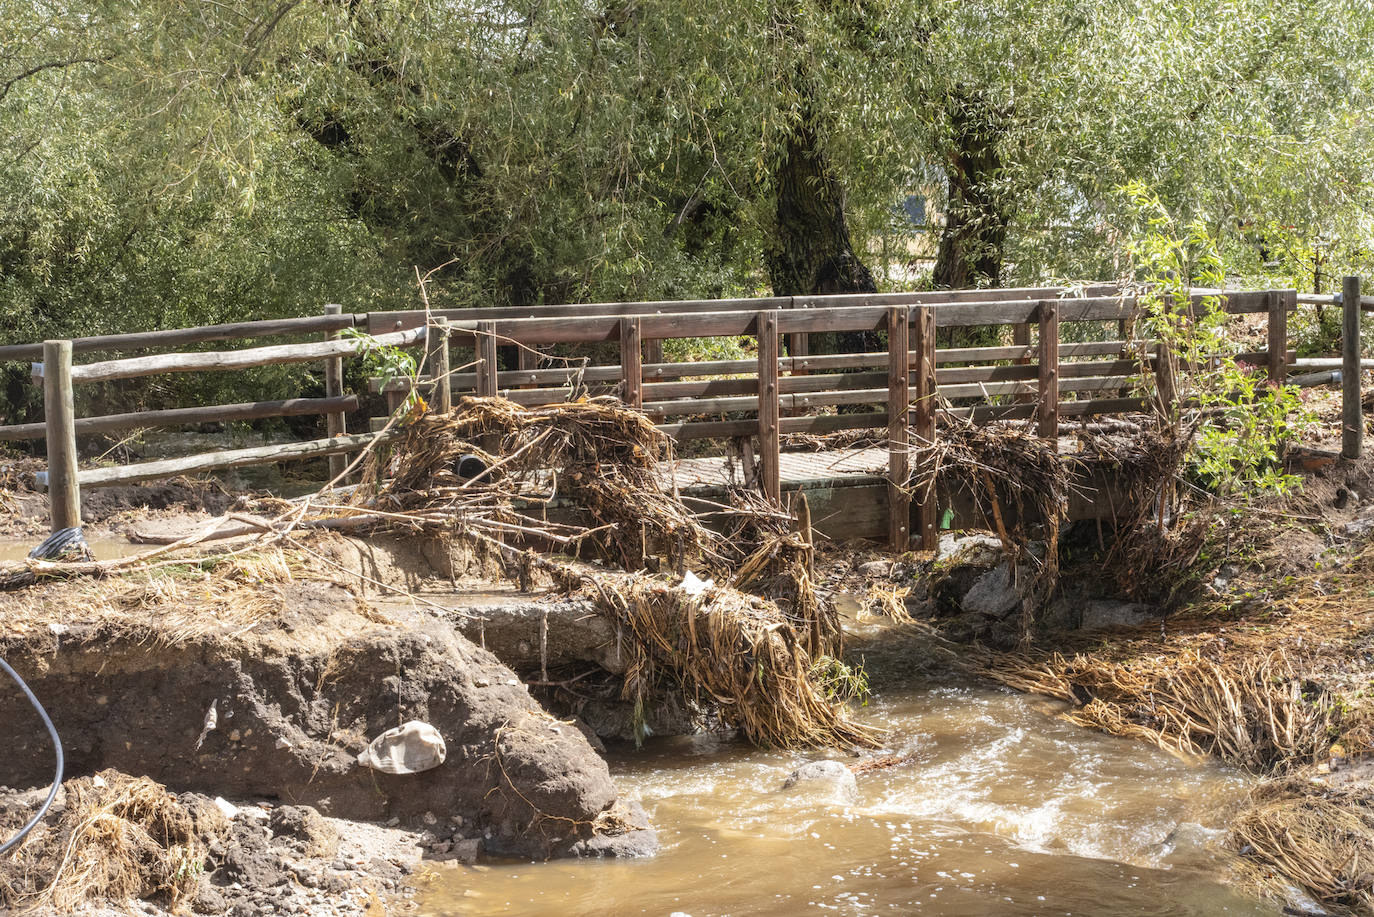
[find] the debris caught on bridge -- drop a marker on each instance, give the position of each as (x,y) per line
(1017,483)
(595,456)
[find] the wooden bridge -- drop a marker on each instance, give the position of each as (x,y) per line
(1073,354)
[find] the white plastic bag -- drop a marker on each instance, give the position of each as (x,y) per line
(407,749)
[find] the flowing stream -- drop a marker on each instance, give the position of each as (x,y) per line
(1003,809)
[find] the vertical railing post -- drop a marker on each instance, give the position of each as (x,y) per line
(486,359)
(335,422)
(1020,336)
(1352,412)
(1166,385)
(653,351)
(64,489)
(1277,302)
(1047,410)
(770,443)
(898,428)
(437,363)
(922,395)
(631,361)
(527,361)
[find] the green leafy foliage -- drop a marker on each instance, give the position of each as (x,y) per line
(1239,422)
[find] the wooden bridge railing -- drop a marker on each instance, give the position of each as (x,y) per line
(767,396)
(1048,380)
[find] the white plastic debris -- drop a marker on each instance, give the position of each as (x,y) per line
(58,629)
(407,749)
(227,808)
(98,782)
(694,586)
(211,721)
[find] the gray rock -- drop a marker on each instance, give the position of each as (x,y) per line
(876,568)
(1104,614)
(994,593)
(831,776)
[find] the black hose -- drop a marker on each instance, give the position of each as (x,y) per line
(57,747)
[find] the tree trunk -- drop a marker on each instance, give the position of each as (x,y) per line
(970,253)
(811,250)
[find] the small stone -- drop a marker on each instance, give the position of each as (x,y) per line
(876,568)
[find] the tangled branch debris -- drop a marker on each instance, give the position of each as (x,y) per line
(595,455)
(1015,481)
(1318,837)
(1254,711)
(117,838)
(733,651)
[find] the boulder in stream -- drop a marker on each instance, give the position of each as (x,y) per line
(829,777)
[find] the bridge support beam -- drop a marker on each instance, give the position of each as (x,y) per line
(898,429)
(922,396)
(1047,411)
(770,443)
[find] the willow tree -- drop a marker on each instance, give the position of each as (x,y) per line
(170,162)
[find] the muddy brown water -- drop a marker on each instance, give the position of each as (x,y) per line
(102,548)
(1003,809)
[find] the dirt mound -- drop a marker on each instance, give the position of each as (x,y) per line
(269,684)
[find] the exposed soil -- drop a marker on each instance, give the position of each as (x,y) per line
(300,674)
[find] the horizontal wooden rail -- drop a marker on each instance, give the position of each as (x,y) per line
(867,317)
(379,322)
(557,379)
(229,458)
(223,360)
(177,337)
(252,410)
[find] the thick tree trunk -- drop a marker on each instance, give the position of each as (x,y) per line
(811,251)
(970,253)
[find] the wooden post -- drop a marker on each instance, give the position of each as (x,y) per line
(653,351)
(770,446)
(1166,386)
(922,334)
(898,429)
(799,345)
(335,424)
(1278,335)
(64,491)
(486,359)
(1047,411)
(1020,336)
(1352,412)
(527,359)
(631,362)
(437,361)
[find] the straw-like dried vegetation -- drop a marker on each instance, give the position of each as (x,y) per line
(734,652)
(595,456)
(1018,486)
(118,838)
(1317,837)
(1256,712)
(164,604)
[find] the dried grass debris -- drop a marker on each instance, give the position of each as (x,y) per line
(1254,711)
(738,653)
(1317,837)
(117,838)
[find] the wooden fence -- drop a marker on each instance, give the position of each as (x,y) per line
(766,396)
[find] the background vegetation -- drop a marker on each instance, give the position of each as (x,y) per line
(167,163)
